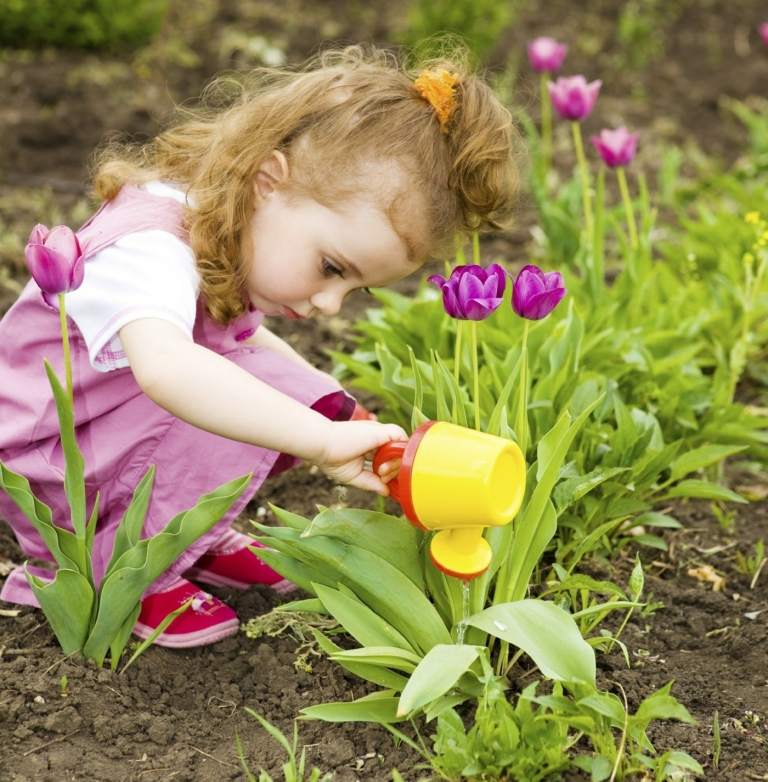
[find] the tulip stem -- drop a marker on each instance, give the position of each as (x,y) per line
(457,355)
(521,424)
(65,347)
(586,197)
(475,373)
(546,124)
(631,224)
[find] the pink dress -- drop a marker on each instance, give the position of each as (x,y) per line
(120,431)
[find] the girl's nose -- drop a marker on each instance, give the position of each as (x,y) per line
(328,301)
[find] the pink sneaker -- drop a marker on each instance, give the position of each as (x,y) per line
(206,621)
(231,563)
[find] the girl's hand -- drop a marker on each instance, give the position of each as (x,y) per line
(350,445)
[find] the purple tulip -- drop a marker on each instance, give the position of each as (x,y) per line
(763,29)
(55,259)
(472,292)
(616,147)
(536,293)
(573,98)
(546,54)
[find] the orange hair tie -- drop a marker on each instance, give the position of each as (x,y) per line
(438,88)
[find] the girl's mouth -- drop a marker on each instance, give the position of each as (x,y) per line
(292,314)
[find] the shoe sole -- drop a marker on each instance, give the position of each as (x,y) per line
(215,579)
(186,640)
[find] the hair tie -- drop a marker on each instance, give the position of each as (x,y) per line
(438,88)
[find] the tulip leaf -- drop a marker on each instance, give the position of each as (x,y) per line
(381,707)
(63,545)
(66,601)
(703,490)
(387,656)
(380,585)
(288,519)
(390,537)
(119,641)
(546,633)
(144,562)
(440,669)
(701,457)
(74,473)
(366,627)
(129,529)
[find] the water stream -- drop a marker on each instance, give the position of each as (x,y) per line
(461,627)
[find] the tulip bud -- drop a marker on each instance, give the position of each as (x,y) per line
(573,98)
(546,54)
(55,259)
(536,293)
(472,292)
(616,147)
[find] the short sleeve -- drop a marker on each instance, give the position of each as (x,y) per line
(146,274)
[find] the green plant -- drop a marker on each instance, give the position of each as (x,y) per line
(372,574)
(480,24)
(534,737)
(81,24)
(98,619)
(751,565)
(293,769)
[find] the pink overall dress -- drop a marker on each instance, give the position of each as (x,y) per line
(120,430)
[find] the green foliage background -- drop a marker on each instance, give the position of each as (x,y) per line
(80,24)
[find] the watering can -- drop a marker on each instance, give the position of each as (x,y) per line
(456,481)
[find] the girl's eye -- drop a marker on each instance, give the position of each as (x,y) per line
(329,269)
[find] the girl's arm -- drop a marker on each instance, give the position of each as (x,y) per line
(263,337)
(213,393)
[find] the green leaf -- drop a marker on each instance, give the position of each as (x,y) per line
(74,472)
(63,545)
(660,705)
(381,586)
(546,633)
(393,539)
(701,457)
(66,602)
(138,567)
(437,673)
(129,530)
(366,627)
(703,490)
(381,709)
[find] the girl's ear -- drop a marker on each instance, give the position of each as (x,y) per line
(272,172)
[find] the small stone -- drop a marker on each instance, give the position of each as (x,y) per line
(39,699)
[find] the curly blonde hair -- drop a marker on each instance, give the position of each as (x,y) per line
(331,116)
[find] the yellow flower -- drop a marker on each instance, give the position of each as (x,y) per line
(753,218)
(438,89)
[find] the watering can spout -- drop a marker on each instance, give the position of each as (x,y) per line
(456,481)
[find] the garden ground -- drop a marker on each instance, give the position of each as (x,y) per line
(174,715)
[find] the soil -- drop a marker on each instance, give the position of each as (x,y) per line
(175,714)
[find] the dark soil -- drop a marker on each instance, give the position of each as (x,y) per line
(174,714)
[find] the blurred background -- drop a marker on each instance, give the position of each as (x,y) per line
(75,72)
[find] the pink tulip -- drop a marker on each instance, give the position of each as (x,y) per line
(573,98)
(763,30)
(546,54)
(55,259)
(536,293)
(472,292)
(616,147)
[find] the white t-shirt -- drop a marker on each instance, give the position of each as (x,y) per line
(146,274)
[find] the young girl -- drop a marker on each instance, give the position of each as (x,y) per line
(348,173)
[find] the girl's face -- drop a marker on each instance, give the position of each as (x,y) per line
(304,258)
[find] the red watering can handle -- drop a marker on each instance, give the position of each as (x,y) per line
(387,453)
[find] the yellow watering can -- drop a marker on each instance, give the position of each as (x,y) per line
(458,481)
